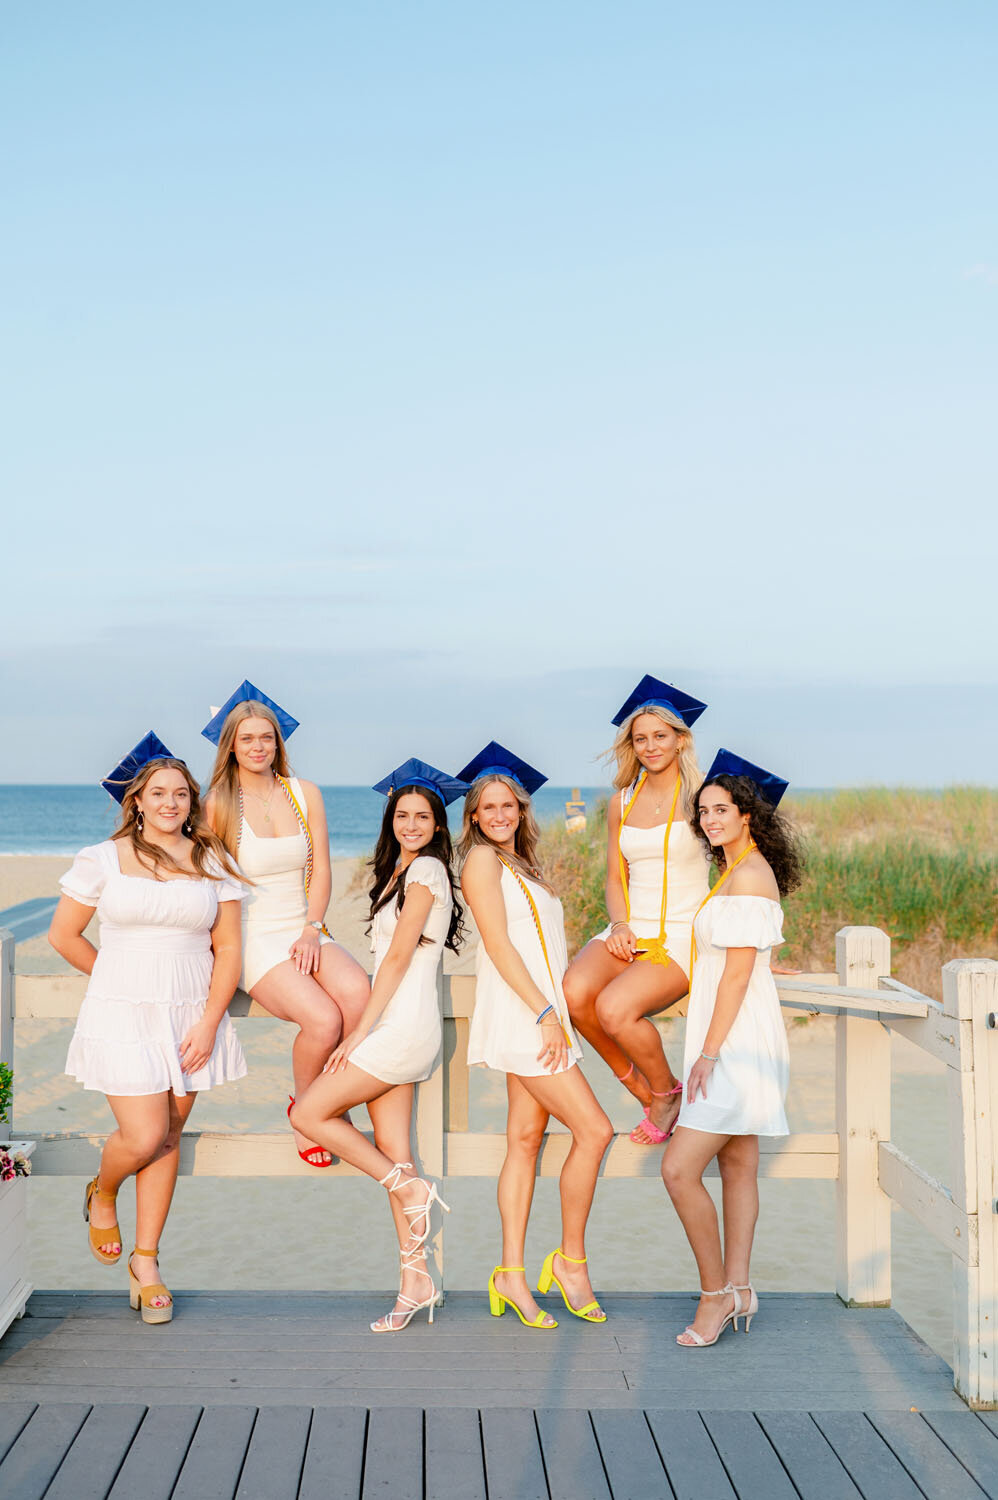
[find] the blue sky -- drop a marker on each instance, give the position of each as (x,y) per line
(445,368)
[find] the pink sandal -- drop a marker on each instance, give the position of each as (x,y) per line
(652,1135)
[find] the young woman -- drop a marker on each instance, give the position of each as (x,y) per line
(153,1030)
(275,826)
(656,877)
(521,1028)
(398,1036)
(736,1062)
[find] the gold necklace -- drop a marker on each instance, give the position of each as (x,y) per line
(265,805)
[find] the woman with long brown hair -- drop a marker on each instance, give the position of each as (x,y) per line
(521,1027)
(153,1029)
(275,826)
(656,877)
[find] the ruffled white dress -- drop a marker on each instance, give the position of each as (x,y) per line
(404,1043)
(748,1087)
(150,981)
(504,1033)
(275,908)
(688,868)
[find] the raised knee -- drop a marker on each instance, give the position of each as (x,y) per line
(528,1140)
(576,994)
(609,1013)
(146,1144)
(300,1117)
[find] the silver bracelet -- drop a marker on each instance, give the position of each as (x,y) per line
(707,1057)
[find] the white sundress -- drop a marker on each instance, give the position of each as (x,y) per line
(150,981)
(747,1090)
(404,1043)
(504,1033)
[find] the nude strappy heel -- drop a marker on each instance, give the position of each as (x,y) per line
(98,1237)
(690,1339)
(592,1312)
(387,1324)
(140,1296)
(498,1303)
(749,1309)
(394,1180)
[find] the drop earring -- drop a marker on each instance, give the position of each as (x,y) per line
(187,830)
(139,820)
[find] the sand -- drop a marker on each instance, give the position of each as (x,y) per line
(333,1233)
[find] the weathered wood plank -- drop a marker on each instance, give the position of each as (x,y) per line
(215,1458)
(690,1458)
(974,1444)
(630,1458)
(571,1456)
(514,1467)
(157,1453)
(98,1452)
(927,1459)
(866,1457)
(393,1459)
(748,1456)
(928,1201)
(14,1416)
(807,1456)
(455,1469)
(334,1459)
(481,1154)
(276,1454)
(35,1455)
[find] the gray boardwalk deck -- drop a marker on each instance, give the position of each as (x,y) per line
(289,1397)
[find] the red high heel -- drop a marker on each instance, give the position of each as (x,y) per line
(307,1156)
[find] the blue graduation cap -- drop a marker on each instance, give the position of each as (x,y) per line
(420,773)
(652,692)
(246,693)
(495,760)
(150,747)
(726,763)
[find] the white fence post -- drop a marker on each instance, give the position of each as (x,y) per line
(863,1120)
(970,993)
(7,947)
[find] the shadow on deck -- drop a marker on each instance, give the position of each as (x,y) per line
(272,1396)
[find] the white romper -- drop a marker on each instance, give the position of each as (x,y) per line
(404,1043)
(748,1086)
(504,1033)
(688,867)
(275,907)
(150,981)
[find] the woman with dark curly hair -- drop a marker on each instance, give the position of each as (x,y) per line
(736,1064)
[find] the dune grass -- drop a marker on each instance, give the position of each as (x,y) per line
(921,865)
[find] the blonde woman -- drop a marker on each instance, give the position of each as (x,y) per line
(521,1028)
(153,1029)
(275,826)
(656,877)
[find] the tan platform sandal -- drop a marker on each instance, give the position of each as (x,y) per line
(141,1296)
(98,1237)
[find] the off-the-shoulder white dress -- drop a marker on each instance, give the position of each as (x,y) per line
(748,1086)
(150,981)
(403,1044)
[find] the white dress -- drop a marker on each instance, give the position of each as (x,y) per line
(275,908)
(748,1086)
(150,981)
(404,1043)
(504,1033)
(688,868)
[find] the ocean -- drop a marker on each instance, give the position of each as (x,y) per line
(62,819)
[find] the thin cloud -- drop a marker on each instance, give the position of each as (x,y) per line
(982,272)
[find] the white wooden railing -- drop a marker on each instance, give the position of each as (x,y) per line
(869,1170)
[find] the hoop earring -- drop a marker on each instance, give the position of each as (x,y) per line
(139,820)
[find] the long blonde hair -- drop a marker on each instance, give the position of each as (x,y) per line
(224,787)
(524,854)
(629,768)
(206,844)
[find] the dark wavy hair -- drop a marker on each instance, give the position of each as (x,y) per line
(779,842)
(386,858)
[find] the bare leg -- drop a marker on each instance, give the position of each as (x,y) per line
(738,1163)
(154,1185)
(526,1122)
(391,1116)
(143,1122)
(623,1009)
(683,1166)
(568,1096)
(586,977)
(306,1000)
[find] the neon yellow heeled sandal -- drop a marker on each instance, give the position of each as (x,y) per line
(592,1312)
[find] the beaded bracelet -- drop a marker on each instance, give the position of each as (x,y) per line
(707,1057)
(547,1011)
